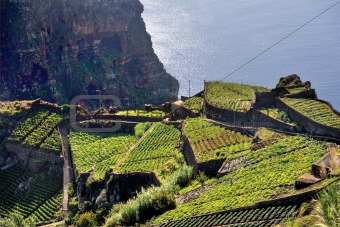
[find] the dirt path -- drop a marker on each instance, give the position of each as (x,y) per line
(131,148)
(67,169)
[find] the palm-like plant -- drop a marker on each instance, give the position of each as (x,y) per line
(328,209)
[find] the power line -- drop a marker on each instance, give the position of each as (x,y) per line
(280,41)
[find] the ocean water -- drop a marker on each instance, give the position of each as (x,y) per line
(201,40)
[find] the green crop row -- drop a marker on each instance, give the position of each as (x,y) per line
(297,90)
(42,188)
(99,150)
(48,210)
(141,113)
(156,150)
(212,142)
(231,96)
(52,144)
(275,169)
(25,127)
(315,110)
(194,104)
(35,138)
(251,217)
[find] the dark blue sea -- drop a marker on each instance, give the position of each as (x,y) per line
(201,40)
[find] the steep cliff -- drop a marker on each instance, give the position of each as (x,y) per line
(57,49)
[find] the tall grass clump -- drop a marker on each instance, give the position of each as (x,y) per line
(150,202)
(141,128)
(328,209)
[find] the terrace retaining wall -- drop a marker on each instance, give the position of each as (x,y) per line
(24,155)
(119,118)
(264,99)
(309,94)
(117,187)
(251,118)
(210,168)
(189,154)
(309,125)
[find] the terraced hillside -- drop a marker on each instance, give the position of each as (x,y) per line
(273,171)
(141,113)
(40,198)
(157,151)
(194,104)
(231,96)
(214,142)
(315,110)
(99,150)
(35,131)
(257,217)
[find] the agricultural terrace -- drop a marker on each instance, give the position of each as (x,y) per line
(157,151)
(214,142)
(42,189)
(99,150)
(273,172)
(194,104)
(270,216)
(277,114)
(315,110)
(13,108)
(141,113)
(297,90)
(231,96)
(35,130)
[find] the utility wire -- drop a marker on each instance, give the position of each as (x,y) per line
(280,41)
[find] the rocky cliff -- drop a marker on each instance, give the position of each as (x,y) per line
(57,49)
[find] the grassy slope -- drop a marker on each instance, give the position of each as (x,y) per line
(211,142)
(273,173)
(315,110)
(226,95)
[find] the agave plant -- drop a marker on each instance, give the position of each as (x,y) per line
(328,209)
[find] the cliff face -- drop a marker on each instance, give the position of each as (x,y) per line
(57,49)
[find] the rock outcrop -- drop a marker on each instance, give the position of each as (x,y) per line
(57,49)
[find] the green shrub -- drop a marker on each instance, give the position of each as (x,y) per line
(202,177)
(328,209)
(150,202)
(65,108)
(85,207)
(87,219)
(163,202)
(15,219)
(129,213)
(141,128)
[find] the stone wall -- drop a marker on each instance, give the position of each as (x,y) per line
(309,94)
(251,118)
(309,125)
(117,187)
(210,168)
(120,118)
(25,155)
(264,99)
(189,154)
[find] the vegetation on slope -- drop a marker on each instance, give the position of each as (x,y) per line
(99,150)
(157,151)
(231,96)
(41,189)
(269,216)
(214,142)
(275,169)
(150,202)
(194,104)
(315,110)
(39,129)
(141,113)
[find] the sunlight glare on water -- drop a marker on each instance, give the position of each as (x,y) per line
(208,39)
